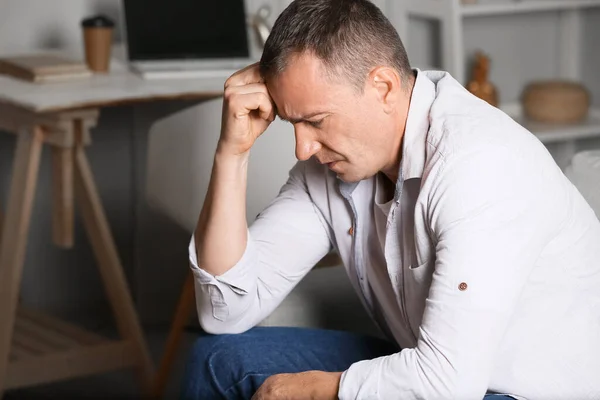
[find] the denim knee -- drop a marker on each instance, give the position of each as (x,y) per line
(216,363)
(199,381)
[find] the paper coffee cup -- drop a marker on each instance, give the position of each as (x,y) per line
(97,36)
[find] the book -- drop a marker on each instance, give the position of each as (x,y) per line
(42,68)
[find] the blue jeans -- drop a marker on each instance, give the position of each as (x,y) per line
(234,366)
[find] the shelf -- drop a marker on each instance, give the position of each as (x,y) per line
(45,349)
(553,133)
(524,6)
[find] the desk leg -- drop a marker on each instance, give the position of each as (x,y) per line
(111,270)
(63,212)
(14,235)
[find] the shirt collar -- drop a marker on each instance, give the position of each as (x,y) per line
(412,163)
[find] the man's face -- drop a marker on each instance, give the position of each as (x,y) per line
(348,131)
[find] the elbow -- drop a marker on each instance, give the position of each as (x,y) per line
(222,329)
(214,324)
(218,315)
(442,379)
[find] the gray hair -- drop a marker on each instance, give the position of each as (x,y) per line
(350,37)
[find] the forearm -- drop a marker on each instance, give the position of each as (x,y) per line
(280,247)
(221,233)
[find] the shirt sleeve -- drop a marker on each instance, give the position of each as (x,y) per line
(285,241)
(491,214)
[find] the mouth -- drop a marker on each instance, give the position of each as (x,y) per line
(331,165)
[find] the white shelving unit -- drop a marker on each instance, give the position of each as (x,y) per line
(524,6)
(452,15)
(554,133)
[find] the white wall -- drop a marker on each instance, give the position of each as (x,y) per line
(29,25)
(591,65)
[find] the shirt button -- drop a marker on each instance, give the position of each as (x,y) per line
(462,287)
(351,231)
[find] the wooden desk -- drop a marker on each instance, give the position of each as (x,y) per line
(36,348)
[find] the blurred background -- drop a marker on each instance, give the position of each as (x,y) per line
(152,184)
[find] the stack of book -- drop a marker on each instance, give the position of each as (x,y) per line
(43,68)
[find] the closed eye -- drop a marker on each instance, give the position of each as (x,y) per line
(315,124)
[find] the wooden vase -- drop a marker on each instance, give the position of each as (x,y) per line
(479,84)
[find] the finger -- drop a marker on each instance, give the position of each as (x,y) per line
(250,88)
(248,102)
(249,74)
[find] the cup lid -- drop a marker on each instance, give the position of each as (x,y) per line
(98,21)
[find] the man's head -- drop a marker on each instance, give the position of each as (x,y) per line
(338,71)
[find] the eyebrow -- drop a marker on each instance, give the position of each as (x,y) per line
(301,119)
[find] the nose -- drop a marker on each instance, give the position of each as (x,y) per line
(306,144)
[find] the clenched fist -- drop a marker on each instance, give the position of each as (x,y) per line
(247,111)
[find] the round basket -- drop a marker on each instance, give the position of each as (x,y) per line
(557,102)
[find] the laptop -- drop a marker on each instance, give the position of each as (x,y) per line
(186,38)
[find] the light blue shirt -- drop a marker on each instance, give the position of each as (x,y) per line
(492,256)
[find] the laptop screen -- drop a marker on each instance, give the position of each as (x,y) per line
(185,29)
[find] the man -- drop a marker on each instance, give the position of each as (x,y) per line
(473,253)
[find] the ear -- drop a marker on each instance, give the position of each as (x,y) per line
(386,85)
